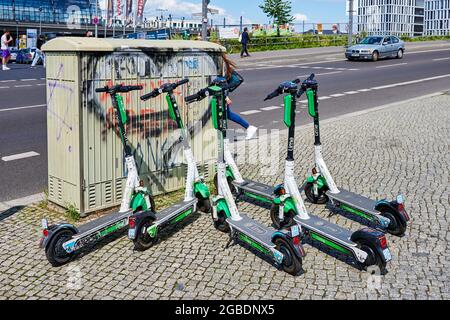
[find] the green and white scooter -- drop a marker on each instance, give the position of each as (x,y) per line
(367,246)
(320,187)
(62,241)
(282,246)
(145,227)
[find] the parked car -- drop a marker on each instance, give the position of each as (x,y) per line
(376,47)
(25,55)
(13,51)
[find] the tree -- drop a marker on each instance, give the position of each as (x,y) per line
(279,10)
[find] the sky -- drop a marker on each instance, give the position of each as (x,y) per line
(311,11)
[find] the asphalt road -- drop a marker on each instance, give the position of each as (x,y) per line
(343,87)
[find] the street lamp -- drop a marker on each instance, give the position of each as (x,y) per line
(40,20)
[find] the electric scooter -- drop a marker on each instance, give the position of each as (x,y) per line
(389,216)
(144,227)
(62,241)
(367,246)
(282,246)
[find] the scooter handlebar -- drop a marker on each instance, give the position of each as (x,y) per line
(149,95)
(119,88)
(196,96)
(164,88)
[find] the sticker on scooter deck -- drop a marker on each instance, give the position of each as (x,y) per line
(254,230)
(78,243)
(176,212)
(326,229)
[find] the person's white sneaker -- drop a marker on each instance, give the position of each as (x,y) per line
(251,131)
(6,68)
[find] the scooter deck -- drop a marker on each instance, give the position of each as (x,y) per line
(354,200)
(253,230)
(326,229)
(173,211)
(256,188)
(102,222)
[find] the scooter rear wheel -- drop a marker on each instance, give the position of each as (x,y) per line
(395,227)
(373,258)
(55,252)
(288,217)
(321,198)
(143,240)
(291,263)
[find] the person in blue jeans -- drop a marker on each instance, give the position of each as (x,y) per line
(233,77)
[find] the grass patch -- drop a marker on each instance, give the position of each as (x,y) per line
(72,212)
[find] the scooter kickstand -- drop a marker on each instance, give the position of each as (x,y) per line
(232,239)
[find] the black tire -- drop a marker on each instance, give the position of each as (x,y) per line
(350,59)
(233,189)
(322,198)
(291,263)
(396,227)
(204,205)
(399,54)
(373,258)
(288,217)
(55,252)
(375,56)
(143,240)
(221,223)
(152,204)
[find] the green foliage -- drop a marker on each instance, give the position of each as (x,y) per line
(44,202)
(72,212)
(279,10)
(265,43)
(424,38)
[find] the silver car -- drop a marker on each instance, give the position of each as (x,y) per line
(376,47)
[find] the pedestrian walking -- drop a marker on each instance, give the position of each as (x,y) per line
(245,39)
(5,41)
(232,77)
(38,54)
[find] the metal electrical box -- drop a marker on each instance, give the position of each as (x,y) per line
(85,156)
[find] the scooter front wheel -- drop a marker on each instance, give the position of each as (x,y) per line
(143,240)
(291,263)
(55,252)
(233,189)
(221,223)
(204,205)
(275,217)
(321,198)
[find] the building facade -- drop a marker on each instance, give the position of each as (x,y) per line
(437,17)
(393,17)
(48,11)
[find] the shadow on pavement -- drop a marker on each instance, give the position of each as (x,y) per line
(9,212)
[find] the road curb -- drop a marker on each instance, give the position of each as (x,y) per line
(25,201)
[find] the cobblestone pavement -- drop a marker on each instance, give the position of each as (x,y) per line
(400,149)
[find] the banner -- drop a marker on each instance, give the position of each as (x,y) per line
(129,11)
(140,10)
(110,12)
(228,32)
(31,38)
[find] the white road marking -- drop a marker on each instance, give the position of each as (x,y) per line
(20,156)
(28,79)
(8,80)
(245,113)
(270,108)
(423,51)
(22,85)
(324,98)
(336,95)
(410,82)
(4,87)
(40,84)
(364,90)
(303,101)
(391,65)
(440,59)
(26,107)
(351,92)
(325,73)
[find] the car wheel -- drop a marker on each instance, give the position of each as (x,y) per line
(399,54)
(375,56)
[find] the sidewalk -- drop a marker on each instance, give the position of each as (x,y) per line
(403,148)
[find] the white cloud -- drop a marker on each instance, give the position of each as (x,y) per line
(300,17)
